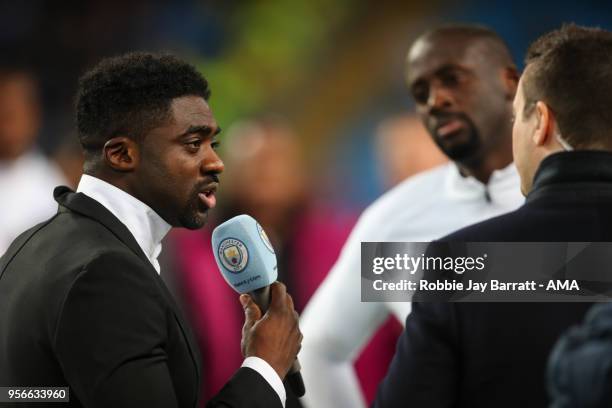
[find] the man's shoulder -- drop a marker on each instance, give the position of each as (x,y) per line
(48,261)
(507,227)
(81,232)
(67,241)
(411,194)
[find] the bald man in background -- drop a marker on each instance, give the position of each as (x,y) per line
(463,81)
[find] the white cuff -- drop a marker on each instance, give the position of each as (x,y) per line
(267,372)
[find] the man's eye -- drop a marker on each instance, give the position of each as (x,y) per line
(215,145)
(195,144)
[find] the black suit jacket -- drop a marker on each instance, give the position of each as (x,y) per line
(494,354)
(81,306)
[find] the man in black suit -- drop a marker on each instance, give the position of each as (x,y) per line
(81,301)
(494,355)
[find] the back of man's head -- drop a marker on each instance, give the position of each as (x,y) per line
(570,69)
(131,94)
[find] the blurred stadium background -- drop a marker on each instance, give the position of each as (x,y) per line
(332,67)
(324,73)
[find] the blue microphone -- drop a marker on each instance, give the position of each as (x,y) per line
(247,262)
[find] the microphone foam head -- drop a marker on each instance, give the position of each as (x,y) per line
(244,254)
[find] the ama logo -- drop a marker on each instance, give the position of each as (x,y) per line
(233,254)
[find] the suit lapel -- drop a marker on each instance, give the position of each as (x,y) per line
(84,205)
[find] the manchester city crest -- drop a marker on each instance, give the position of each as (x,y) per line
(233,254)
(264,238)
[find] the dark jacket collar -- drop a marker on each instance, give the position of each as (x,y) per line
(84,205)
(573,168)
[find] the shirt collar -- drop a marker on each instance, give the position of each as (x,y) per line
(145,224)
(468,187)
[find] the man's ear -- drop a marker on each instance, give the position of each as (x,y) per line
(510,78)
(121,153)
(545,124)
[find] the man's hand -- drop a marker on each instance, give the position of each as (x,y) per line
(275,337)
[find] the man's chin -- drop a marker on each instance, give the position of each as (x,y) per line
(461,146)
(461,152)
(194,221)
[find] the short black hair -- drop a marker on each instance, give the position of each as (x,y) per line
(131,94)
(496,46)
(570,69)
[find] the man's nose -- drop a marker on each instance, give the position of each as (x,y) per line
(212,163)
(440,98)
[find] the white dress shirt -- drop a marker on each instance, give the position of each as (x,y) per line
(336,324)
(148,228)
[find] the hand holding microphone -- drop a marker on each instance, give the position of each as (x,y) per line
(275,336)
(247,261)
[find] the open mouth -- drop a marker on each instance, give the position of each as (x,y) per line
(207,196)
